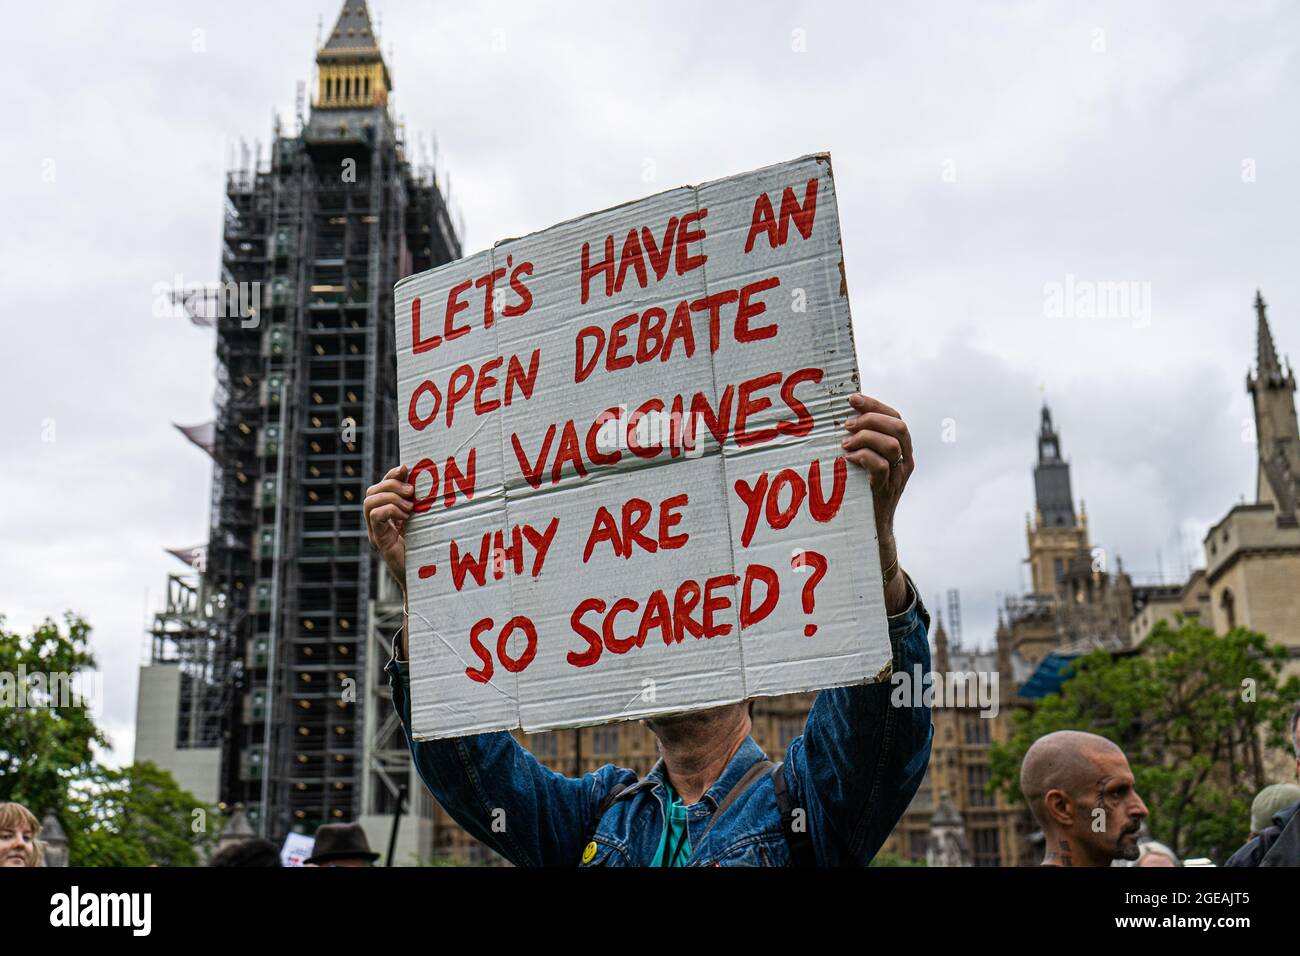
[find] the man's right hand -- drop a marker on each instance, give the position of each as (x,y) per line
(387,506)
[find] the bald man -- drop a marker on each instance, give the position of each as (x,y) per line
(1081,792)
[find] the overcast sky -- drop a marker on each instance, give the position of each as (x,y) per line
(982,151)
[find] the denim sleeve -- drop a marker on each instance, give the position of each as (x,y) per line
(861,759)
(501,794)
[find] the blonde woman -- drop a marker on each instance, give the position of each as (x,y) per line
(20,832)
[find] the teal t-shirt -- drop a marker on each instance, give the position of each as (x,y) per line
(675,845)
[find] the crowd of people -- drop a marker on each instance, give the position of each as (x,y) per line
(1078,785)
(847,780)
(713,798)
(336,844)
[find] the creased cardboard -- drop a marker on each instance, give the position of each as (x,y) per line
(630,487)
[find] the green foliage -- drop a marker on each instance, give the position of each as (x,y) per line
(135,816)
(45,744)
(1189,711)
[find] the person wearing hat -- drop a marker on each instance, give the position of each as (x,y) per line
(1275,819)
(1269,802)
(341,844)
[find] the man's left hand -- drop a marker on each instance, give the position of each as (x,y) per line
(879,441)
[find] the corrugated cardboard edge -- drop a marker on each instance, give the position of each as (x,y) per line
(820,157)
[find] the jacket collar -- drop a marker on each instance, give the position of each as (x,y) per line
(746,755)
(1283,816)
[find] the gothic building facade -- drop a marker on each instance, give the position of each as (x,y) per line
(1251,576)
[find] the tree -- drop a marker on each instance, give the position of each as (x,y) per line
(1193,712)
(134,816)
(46,738)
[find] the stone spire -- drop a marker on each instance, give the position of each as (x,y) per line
(947,844)
(941,655)
(1052,478)
(353,30)
(1266,363)
(1272,389)
(55,840)
(351,68)
(237,829)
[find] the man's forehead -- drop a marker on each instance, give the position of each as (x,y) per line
(1112,764)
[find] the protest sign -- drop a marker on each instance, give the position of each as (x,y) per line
(297,848)
(625,438)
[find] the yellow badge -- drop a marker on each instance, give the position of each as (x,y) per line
(589,852)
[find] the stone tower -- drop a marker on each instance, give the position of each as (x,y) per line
(292,613)
(1056,534)
(1272,390)
(947,845)
(1252,556)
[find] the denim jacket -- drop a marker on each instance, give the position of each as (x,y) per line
(853,772)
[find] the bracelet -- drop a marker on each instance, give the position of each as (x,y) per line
(890,572)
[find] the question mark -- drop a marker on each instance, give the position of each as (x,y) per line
(818,562)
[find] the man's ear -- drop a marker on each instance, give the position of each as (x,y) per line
(1060,808)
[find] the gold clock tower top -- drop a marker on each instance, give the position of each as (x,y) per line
(352,72)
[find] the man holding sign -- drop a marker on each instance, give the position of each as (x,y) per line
(631,497)
(852,773)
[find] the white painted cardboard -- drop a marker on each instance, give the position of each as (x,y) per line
(809,310)
(297,849)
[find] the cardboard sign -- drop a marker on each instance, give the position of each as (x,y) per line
(297,848)
(625,438)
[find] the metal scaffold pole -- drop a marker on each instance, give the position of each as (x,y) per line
(272,667)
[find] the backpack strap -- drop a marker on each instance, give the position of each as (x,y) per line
(760,767)
(799,841)
(606,802)
(610,797)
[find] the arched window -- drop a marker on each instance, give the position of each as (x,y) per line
(1229,605)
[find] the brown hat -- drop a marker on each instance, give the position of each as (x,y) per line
(341,841)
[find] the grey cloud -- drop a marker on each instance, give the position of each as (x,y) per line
(1117,165)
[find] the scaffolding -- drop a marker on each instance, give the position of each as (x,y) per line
(315,235)
(327,430)
(187,635)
